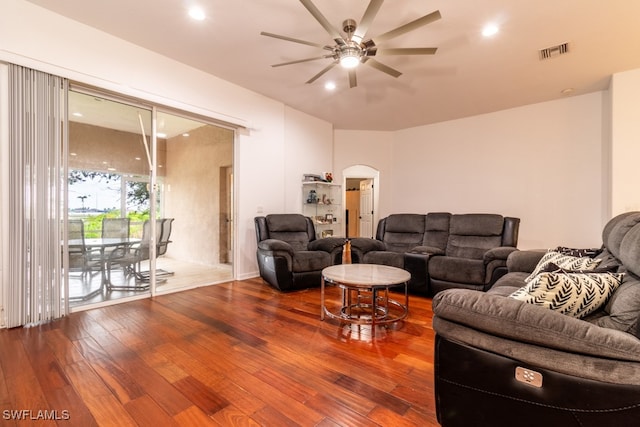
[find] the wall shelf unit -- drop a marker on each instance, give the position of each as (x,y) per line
(322,202)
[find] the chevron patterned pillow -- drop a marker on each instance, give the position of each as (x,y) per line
(563,261)
(573,294)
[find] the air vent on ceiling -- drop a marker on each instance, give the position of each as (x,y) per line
(552,51)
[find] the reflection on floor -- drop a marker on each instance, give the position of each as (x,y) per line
(87,289)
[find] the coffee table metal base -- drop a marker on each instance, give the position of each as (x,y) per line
(365,303)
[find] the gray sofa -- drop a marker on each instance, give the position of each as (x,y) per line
(501,361)
(442,250)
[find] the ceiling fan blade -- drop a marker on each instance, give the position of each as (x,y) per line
(290,39)
(297,61)
(367,19)
(353,82)
(433,16)
(323,21)
(407,51)
(381,67)
(324,70)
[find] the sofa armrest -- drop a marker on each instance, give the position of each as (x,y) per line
(529,324)
(498,254)
(524,261)
(326,244)
(364,245)
(427,250)
(275,245)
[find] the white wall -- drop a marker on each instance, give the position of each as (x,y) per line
(308,149)
(625,142)
(34,37)
(541,163)
(368,148)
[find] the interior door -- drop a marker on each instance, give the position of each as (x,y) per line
(366,208)
(226,214)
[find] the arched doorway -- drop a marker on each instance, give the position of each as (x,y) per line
(361,196)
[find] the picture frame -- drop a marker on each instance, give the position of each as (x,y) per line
(327,233)
(328,217)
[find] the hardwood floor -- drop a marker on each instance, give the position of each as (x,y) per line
(234,354)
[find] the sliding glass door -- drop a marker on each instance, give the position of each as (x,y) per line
(167,179)
(195,191)
(109,172)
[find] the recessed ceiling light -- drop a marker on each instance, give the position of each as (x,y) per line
(329,85)
(490,30)
(197,13)
(567,91)
(161,135)
(77,114)
(185,134)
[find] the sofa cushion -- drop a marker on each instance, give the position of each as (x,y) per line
(630,250)
(405,223)
(563,261)
(304,261)
(291,228)
(402,232)
(393,259)
(613,235)
(623,308)
(461,270)
(436,230)
(573,294)
(471,235)
(522,322)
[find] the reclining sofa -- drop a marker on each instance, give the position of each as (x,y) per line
(442,250)
(517,356)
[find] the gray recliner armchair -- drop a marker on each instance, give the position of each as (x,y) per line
(289,255)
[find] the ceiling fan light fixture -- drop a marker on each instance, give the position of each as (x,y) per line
(349,57)
(197,13)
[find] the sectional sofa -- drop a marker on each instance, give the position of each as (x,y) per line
(442,250)
(551,343)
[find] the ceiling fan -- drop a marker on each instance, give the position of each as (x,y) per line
(354,49)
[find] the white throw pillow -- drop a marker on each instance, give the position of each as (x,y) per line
(566,262)
(573,294)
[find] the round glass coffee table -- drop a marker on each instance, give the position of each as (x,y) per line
(365,293)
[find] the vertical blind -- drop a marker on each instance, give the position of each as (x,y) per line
(37,109)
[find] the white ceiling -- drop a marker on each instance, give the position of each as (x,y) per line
(468,75)
(93,110)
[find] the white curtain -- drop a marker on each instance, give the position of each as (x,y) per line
(37,114)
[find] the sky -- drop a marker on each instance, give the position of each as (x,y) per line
(99,195)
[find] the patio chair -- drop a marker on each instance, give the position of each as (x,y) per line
(163,230)
(80,257)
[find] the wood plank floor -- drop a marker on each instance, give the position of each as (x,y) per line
(234,354)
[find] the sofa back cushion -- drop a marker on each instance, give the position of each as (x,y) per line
(616,229)
(471,235)
(622,236)
(437,230)
(402,232)
(630,250)
(291,228)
